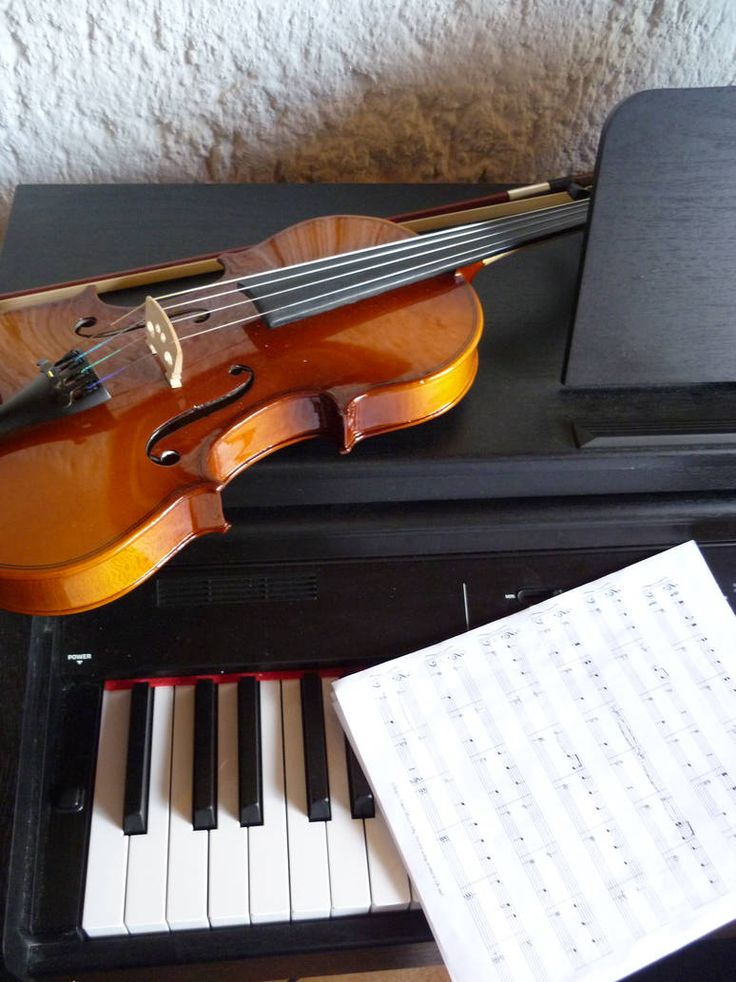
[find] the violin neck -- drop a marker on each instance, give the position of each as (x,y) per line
(291,294)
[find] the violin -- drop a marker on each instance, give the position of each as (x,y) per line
(119,426)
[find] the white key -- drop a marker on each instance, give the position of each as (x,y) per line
(186,895)
(107,859)
(228,872)
(389,882)
(268,843)
(349,884)
(145,896)
(308,871)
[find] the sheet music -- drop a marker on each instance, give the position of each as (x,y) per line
(561,783)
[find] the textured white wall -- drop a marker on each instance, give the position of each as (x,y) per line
(332,90)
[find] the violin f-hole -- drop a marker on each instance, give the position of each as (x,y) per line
(169,457)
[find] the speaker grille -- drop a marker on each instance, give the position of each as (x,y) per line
(234,588)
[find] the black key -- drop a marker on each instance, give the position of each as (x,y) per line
(361,796)
(204,796)
(315,750)
(250,768)
(138,767)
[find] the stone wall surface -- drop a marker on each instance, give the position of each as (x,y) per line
(334,90)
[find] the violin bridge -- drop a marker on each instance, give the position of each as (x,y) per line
(164,342)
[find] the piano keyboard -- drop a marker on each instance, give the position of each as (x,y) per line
(230,803)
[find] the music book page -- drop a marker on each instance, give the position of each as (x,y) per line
(561,783)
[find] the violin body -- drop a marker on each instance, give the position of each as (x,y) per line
(87,513)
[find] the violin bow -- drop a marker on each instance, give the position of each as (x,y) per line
(502,202)
(557,184)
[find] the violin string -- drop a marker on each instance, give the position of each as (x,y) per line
(117,351)
(327,263)
(275,277)
(380,250)
(489,239)
(463,259)
(409,276)
(267,278)
(418,252)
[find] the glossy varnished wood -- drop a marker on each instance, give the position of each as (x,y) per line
(102,516)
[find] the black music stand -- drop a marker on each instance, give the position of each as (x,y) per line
(654,331)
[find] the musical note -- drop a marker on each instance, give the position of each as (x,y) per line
(559,782)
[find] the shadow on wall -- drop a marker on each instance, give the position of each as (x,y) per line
(411,134)
(419,90)
(458,92)
(523,103)
(509,123)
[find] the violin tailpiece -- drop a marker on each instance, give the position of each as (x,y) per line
(68,386)
(163,341)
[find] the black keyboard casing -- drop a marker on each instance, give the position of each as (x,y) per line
(338,562)
(208,612)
